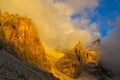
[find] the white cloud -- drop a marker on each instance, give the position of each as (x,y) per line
(93,27)
(78,4)
(53,19)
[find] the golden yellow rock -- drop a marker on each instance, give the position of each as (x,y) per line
(85,55)
(73,62)
(21,37)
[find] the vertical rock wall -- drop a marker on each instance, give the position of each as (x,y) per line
(20,36)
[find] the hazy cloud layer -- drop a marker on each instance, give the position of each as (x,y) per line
(111,48)
(76,5)
(53,19)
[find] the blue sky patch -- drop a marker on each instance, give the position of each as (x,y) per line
(104,15)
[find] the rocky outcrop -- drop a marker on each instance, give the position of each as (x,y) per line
(79,60)
(19,35)
(14,69)
(73,61)
(69,65)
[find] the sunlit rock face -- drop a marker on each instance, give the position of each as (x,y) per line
(20,36)
(69,65)
(73,62)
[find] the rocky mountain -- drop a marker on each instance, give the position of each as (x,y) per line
(20,36)
(23,57)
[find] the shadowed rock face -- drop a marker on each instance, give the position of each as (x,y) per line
(14,69)
(19,35)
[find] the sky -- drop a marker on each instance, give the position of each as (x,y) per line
(104,15)
(107,13)
(62,23)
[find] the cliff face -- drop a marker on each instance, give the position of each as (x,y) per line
(19,35)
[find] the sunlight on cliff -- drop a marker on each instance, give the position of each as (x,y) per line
(53,57)
(19,36)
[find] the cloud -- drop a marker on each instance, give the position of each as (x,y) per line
(78,4)
(53,19)
(111,48)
